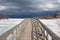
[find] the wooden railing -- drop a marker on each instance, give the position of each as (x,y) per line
(39,31)
(14,32)
(46,32)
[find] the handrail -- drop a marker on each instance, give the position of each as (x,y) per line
(52,34)
(6,34)
(35,23)
(39,35)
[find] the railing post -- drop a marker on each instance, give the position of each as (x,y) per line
(46,35)
(5,38)
(16,33)
(12,35)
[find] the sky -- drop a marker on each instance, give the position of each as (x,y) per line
(28,7)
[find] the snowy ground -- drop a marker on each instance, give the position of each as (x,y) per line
(52,24)
(5,24)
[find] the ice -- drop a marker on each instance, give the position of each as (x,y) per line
(52,24)
(5,24)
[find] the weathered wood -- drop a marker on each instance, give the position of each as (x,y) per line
(52,34)
(6,34)
(5,38)
(12,35)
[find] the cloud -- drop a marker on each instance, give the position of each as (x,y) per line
(29,5)
(3,8)
(47,5)
(58,1)
(8,6)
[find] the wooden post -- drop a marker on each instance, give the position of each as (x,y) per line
(12,35)
(16,33)
(5,38)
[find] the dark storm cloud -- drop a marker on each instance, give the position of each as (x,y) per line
(26,6)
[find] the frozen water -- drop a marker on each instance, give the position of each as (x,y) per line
(5,24)
(52,24)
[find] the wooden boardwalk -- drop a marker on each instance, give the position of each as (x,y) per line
(30,29)
(26,32)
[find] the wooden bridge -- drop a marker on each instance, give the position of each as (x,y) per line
(29,29)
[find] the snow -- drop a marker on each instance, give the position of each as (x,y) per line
(53,25)
(5,24)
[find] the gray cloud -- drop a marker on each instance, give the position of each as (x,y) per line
(29,5)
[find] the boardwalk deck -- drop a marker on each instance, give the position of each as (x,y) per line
(26,32)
